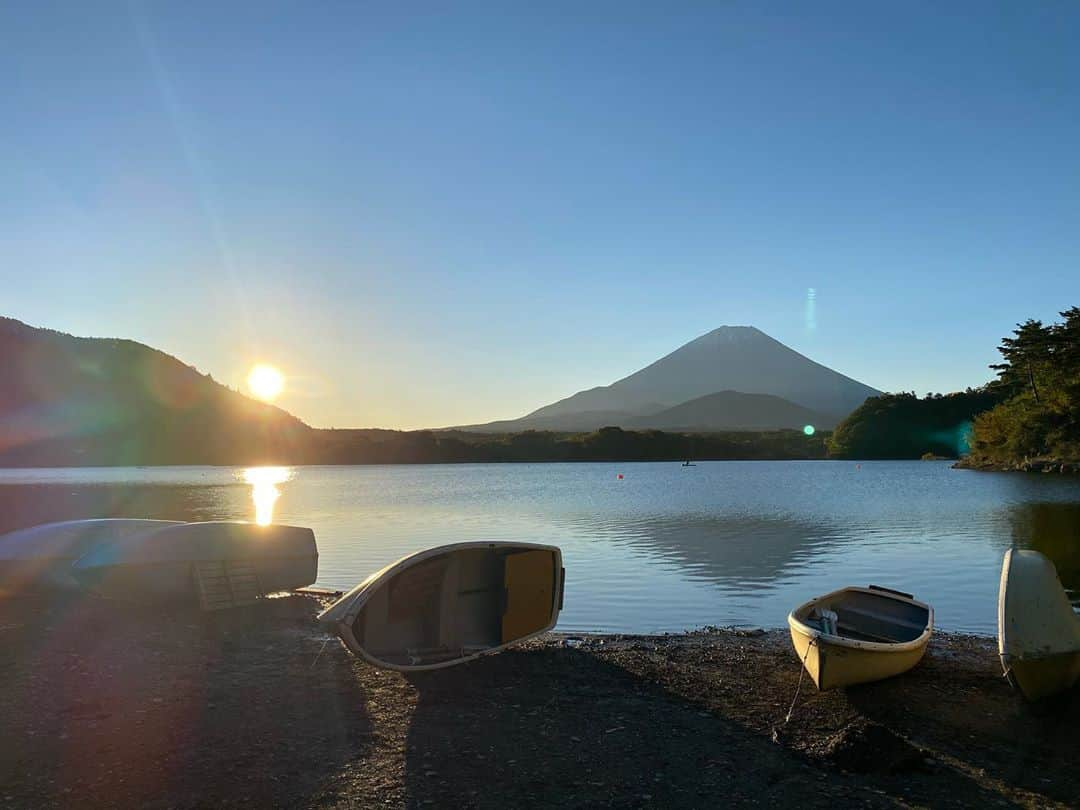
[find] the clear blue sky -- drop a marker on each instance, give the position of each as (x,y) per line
(458,212)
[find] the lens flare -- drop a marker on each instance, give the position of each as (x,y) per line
(808,430)
(265,382)
(264,490)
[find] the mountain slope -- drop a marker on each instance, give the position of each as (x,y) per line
(733,410)
(731,358)
(71,400)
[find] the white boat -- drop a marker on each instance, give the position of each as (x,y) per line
(41,556)
(1038,630)
(451,604)
(859,635)
(221,564)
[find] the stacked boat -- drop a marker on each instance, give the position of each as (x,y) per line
(215,564)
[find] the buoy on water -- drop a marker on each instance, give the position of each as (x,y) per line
(619,476)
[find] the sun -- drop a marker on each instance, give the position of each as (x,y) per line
(265,382)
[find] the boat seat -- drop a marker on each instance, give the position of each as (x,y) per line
(847,631)
(882,617)
(877,626)
(449,608)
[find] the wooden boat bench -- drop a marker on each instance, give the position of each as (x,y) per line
(877,626)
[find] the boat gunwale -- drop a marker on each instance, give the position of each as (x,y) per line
(822,638)
(1003,592)
(353,602)
(44,533)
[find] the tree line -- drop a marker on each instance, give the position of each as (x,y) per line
(1038,419)
(904,426)
(606,444)
(1026,418)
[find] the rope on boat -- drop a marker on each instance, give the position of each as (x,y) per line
(802,674)
(323,647)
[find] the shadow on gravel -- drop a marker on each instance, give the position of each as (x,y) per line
(563,727)
(1033,748)
(107,704)
(559,727)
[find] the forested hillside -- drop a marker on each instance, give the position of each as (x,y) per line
(1038,423)
(68,400)
(905,426)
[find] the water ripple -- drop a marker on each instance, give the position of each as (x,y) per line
(665,548)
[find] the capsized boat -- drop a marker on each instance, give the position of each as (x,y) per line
(41,556)
(451,604)
(1038,630)
(858,635)
(218,563)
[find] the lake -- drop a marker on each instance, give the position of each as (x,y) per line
(664,548)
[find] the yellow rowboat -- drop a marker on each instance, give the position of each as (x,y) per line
(1038,631)
(858,635)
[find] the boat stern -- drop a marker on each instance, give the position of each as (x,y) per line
(1039,678)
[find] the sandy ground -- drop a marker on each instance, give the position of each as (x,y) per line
(105,705)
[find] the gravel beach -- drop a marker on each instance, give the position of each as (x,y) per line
(109,705)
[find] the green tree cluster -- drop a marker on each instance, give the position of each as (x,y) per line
(1039,377)
(904,426)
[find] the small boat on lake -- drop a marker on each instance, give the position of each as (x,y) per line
(1038,630)
(41,556)
(858,635)
(451,604)
(216,564)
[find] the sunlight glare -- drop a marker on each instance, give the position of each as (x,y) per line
(265,382)
(264,491)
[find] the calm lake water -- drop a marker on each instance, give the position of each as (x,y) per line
(666,547)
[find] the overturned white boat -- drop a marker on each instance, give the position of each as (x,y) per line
(219,564)
(1038,630)
(41,556)
(451,604)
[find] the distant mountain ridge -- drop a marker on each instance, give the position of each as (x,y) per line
(738,411)
(77,401)
(729,360)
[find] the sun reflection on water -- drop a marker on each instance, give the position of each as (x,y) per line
(264,490)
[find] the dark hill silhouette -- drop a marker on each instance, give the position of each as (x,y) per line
(72,400)
(731,358)
(732,410)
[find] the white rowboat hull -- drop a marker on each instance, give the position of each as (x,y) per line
(451,604)
(1038,631)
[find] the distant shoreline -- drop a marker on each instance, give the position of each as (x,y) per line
(1026,465)
(677,462)
(362,447)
